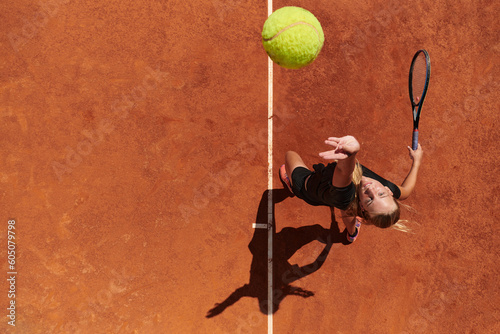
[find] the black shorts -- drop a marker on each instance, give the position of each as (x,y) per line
(320,190)
(299,177)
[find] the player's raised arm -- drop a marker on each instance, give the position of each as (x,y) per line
(411,179)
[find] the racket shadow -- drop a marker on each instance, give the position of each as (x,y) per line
(285,244)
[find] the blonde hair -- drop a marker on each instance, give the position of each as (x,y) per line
(382,220)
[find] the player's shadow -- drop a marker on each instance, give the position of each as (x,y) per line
(285,244)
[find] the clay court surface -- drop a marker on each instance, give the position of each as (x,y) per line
(134,162)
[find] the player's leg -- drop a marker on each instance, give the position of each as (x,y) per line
(292,161)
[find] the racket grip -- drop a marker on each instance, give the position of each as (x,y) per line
(414,141)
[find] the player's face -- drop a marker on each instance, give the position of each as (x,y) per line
(375,197)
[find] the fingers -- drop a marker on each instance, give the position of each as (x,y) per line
(415,155)
(326,155)
(411,151)
(333,155)
(336,145)
(340,140)
(333,142)
(419,148)
(343,147)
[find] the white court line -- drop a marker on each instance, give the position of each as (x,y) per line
(270,187)
(262,226)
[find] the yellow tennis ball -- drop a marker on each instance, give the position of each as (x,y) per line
(292,37)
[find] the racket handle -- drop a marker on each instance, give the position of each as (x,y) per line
(414,141)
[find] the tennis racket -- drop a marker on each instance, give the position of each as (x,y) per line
(420,72)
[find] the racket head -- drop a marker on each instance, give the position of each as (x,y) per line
(420,73)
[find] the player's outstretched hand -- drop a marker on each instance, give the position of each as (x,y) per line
(416,155)
(342,148)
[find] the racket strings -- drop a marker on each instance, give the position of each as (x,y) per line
(419,77)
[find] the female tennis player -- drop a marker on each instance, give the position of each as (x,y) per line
(362,195)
